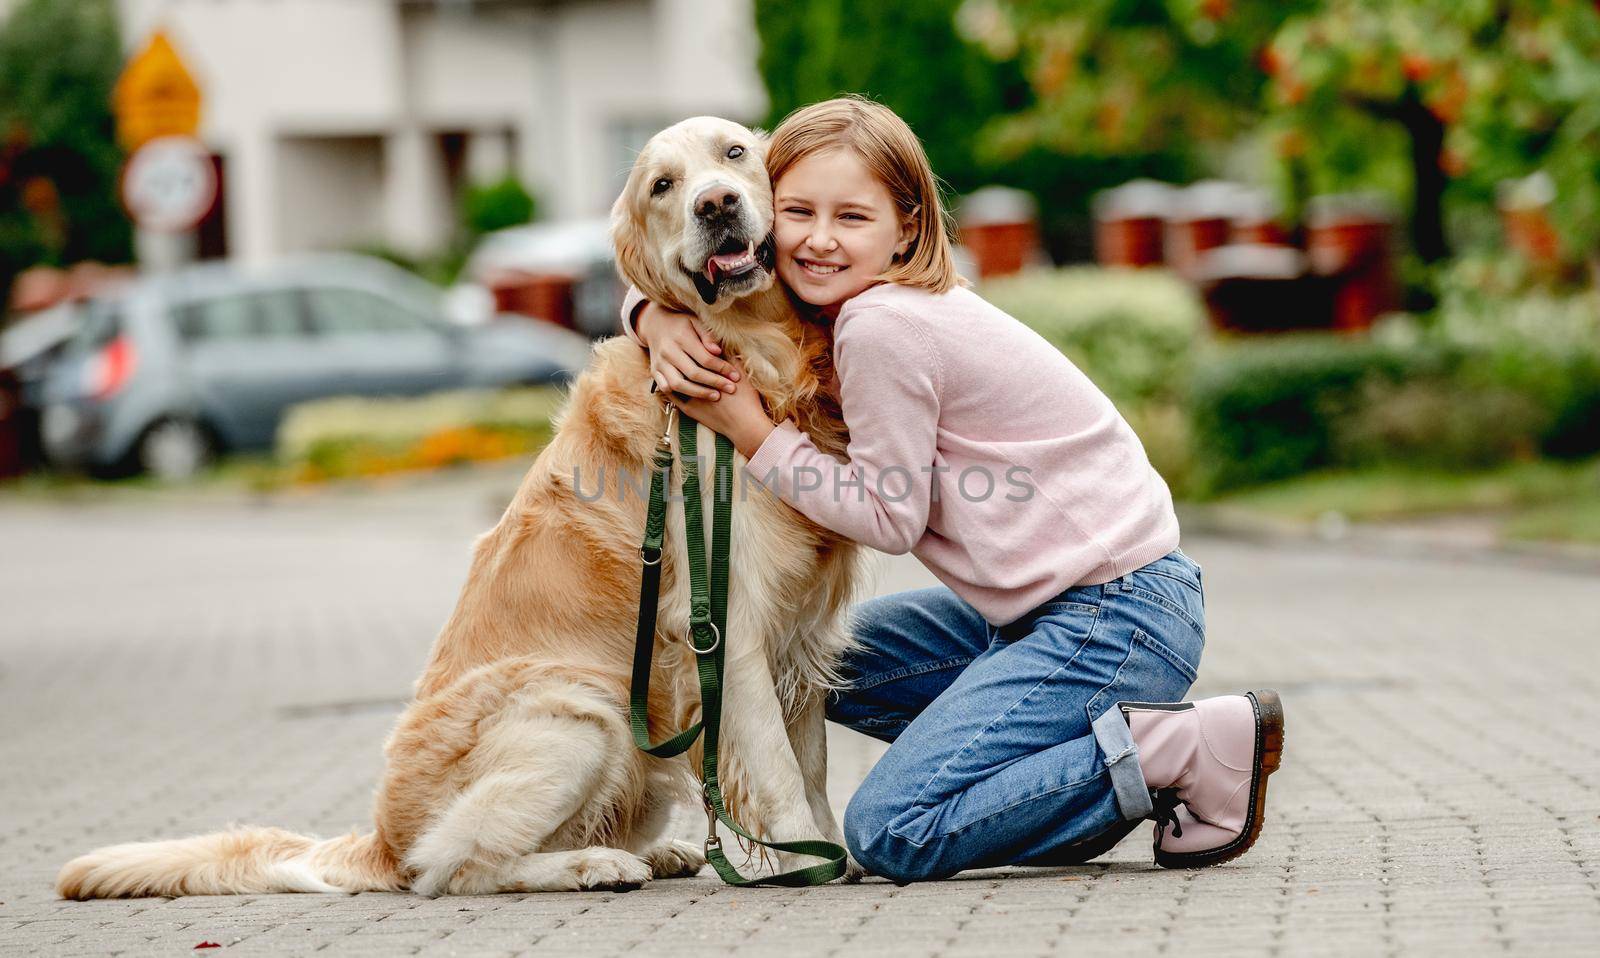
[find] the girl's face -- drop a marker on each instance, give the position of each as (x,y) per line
(835,227)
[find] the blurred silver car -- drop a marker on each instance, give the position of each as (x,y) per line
(177,367)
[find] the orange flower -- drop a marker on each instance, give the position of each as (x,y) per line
(1416,66)
(1449,98)
(1054,68)
(1271,62)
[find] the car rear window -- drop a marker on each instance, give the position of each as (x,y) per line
(337,311)
(276,314)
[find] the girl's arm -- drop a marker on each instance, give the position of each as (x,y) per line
(889,386)
(684,358)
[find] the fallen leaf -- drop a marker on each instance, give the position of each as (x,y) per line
(206,944)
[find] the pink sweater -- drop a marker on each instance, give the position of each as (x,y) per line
(979,448)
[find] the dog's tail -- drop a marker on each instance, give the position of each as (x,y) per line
(240,861)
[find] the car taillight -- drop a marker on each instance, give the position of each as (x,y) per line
(109,369)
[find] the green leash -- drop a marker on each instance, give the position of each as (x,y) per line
(708,617)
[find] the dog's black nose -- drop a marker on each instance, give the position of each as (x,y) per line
(717,198)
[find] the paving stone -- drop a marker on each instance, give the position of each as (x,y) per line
(166,669)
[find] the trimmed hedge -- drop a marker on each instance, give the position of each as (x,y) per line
(1540,344)
(1264,410)
(1486,380)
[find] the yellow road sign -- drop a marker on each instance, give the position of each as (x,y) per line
(155,96)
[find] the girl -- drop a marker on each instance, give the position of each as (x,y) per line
(1018,696)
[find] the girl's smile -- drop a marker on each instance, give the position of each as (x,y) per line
(820,269)
(836,227)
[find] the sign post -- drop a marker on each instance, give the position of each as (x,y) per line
(168,183)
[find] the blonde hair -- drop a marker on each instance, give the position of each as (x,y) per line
(895,156)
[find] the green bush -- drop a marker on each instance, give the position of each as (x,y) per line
(1133,332)
(1436,421)
(1539,343)
(1498,373)
(496,206)
(1483,384)
(1265,409)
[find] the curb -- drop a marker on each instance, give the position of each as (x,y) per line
(1402,540)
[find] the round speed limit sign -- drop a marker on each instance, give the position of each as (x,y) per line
(169,184)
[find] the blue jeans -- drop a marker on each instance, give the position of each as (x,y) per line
(997,757)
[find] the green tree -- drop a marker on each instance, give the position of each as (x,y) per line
(927,63)
(1428,99)
(905,55)
(59,159)
(1482,90)
(1119,89)
(1128,77)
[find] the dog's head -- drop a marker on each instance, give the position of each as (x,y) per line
(692,223)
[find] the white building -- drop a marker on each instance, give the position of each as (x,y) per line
(350,122)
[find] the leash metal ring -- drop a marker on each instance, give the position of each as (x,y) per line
(716,640)
(659,554)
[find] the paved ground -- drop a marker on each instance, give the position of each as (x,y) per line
(168,669)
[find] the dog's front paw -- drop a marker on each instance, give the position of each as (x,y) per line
(853,871)
(610,868)
(675,859)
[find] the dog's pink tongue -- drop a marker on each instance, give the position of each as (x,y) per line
(727,260)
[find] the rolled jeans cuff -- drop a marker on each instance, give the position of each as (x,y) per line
(1111,731)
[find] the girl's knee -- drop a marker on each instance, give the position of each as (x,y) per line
(873,843)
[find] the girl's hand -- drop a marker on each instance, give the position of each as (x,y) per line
(741,416)
(683,358)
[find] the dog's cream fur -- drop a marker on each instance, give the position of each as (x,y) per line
(513,769)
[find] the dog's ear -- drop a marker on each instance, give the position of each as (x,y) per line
(628,239)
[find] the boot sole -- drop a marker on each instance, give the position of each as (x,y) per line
(1269,753)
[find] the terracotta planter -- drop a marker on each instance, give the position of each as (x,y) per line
(1188,239)
(1130,242)
(999,228)
(1348,240)
(1202,220)
(1260,233)
(1130,224)
(1256,223)
(1525,216)
(540,296)
(1001,248)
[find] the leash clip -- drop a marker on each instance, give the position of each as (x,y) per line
(666,435)
(713,840)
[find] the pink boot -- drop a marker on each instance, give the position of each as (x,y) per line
(1208,762)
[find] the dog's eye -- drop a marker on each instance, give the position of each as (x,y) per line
(662,185)
(734,152)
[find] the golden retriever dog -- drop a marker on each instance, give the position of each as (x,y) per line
(513,768)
